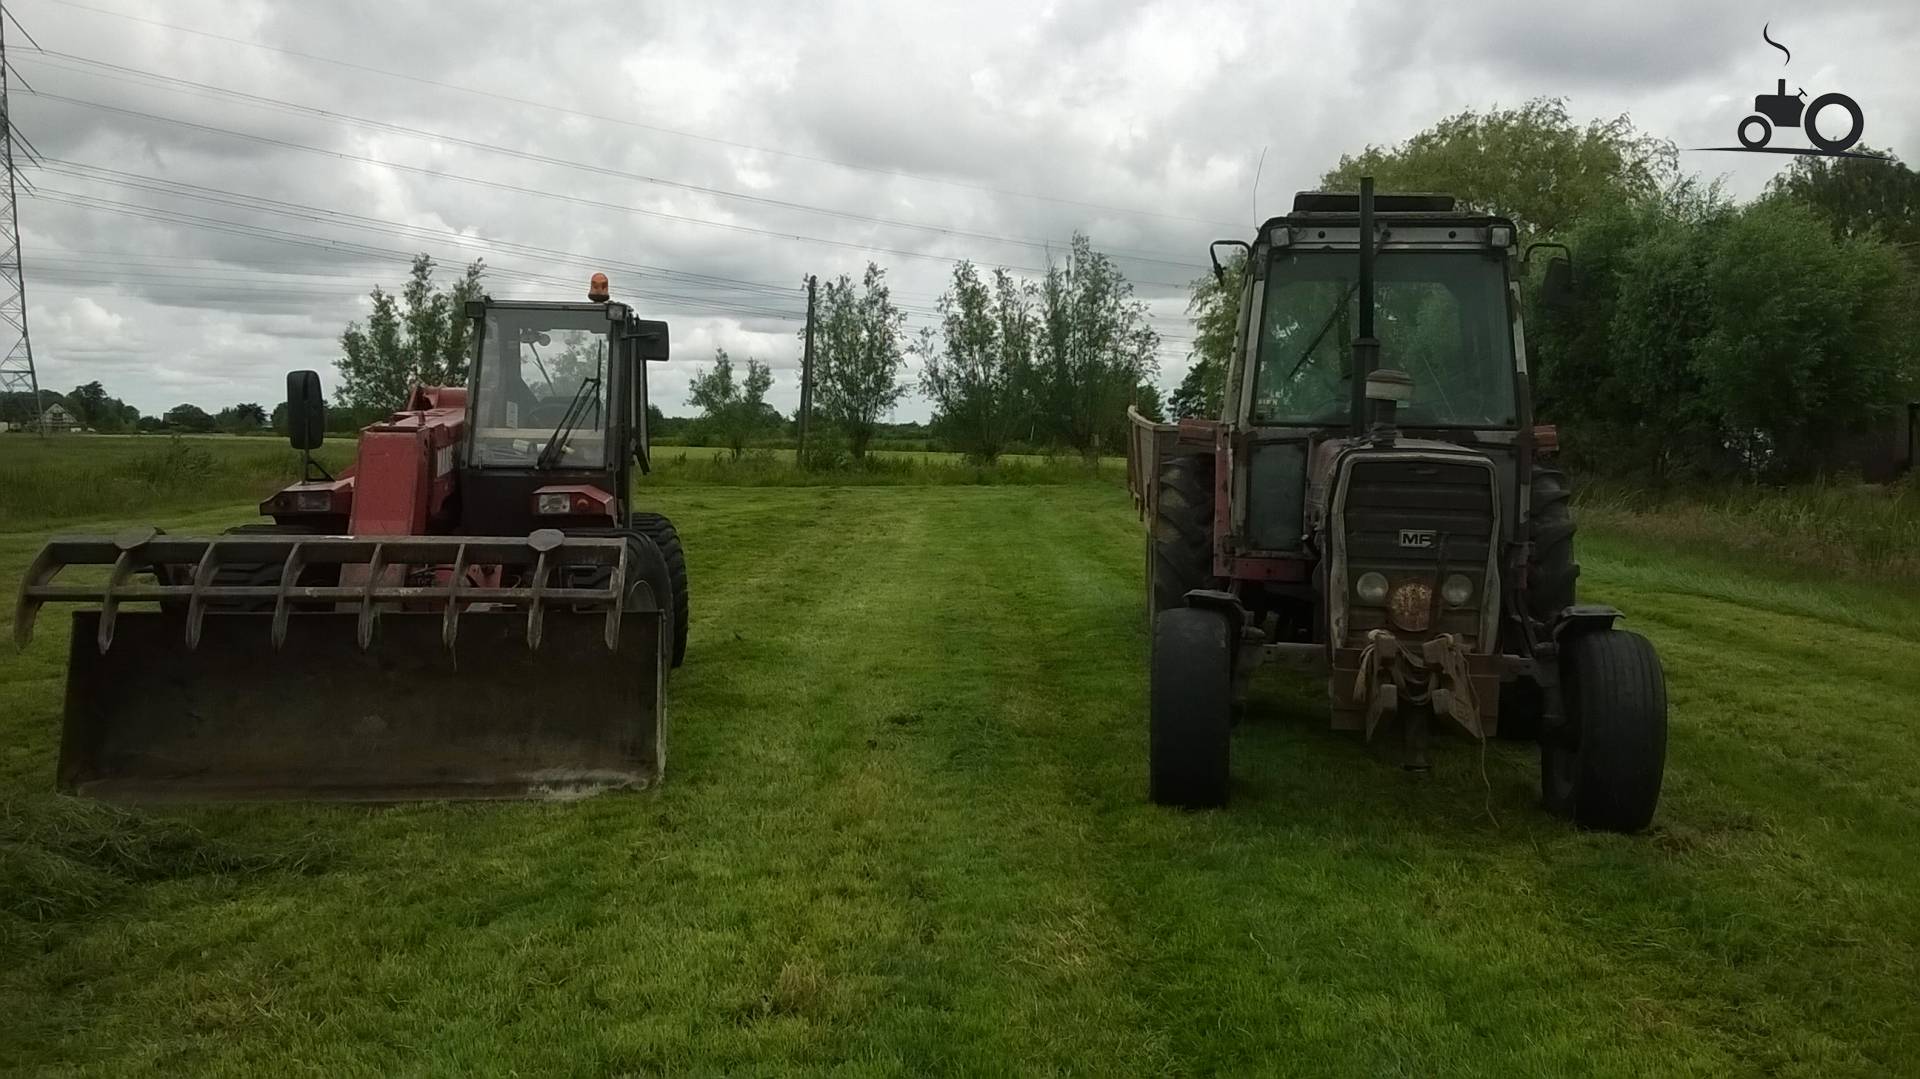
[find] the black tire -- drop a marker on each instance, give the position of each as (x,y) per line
(1602,766)
(660,530)
(1190,704)
(1552,574)
(1754,142)
(231,574)
(1180,552)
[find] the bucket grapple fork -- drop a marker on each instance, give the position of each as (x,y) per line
(436,666)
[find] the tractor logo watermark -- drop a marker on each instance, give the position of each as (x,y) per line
(1781,109)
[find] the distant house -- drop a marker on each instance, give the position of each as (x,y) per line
(57,418)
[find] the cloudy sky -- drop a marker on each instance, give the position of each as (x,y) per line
(223,180)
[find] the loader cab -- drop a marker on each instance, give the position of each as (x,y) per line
(556,401)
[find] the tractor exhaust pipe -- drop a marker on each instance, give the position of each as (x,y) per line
(1366,348)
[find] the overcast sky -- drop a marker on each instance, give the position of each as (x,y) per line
(707,156)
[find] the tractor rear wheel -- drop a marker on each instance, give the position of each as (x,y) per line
(1551,572)
(1602,764)
(1180,547)
(1552,575)
(660,530)
(1190,706)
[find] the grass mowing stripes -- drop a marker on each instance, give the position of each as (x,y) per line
(904,832)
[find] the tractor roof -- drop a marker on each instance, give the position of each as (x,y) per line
(1324,208)
(1347,202)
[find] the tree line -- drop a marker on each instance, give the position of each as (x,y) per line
(93,409)
(1049,364)
(1709,338)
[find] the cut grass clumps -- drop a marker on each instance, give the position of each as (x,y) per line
(63,858)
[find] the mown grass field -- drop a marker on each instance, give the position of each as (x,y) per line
(904,832)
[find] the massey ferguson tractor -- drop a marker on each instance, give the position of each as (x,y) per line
(1376,506)
(473,610)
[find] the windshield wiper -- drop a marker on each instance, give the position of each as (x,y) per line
(576,410)
(1332,317)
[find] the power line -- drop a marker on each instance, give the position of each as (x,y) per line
(178,218)
(262,101)
(499,185)
(624,122)
(304,211)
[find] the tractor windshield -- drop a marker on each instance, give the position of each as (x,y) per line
(1440,316)
(540,389)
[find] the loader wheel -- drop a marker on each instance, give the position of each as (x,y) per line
(1180,550)
(657,528)
(658,576)
(1552,572)
(1190,705)
(255,573)
(1602,764)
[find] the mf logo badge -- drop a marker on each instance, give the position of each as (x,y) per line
(1417,538)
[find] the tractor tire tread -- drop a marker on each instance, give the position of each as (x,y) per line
(1552,574)
(1190,709)
(1182,539)
(1616,696)
(658,528)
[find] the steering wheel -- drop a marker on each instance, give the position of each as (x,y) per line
(547,414)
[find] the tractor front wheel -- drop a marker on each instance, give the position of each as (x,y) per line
(1602,763)
(1190,708)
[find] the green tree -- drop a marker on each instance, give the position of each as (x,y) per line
(967,371)
(1532,164)
(735,410)
(1214,310)
(189,417)
(1095,347)
(1858,197)
(1809,337)
(89,404)
(243,417)
(858,354)
(427,342)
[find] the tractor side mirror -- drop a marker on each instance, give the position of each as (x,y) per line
(306,410)
(1556,289)
(1213,256)
(651,337)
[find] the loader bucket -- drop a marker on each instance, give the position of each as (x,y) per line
(383,690)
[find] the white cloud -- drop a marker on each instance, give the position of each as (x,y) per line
(1163,107)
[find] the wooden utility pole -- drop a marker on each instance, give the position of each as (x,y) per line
(806,378)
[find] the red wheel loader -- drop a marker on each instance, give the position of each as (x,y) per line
(1375,505)
(474,609)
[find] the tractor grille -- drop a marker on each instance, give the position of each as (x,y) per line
(1419,520)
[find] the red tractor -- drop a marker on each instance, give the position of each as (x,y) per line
(474,609)
(1398,530)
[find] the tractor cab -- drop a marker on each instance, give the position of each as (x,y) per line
(556,405)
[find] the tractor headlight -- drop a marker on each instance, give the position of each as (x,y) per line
(1456,590)
(306,502)
(555,502)
(1371,588)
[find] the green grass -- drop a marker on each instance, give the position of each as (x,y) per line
(904,831)
(1865,531)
